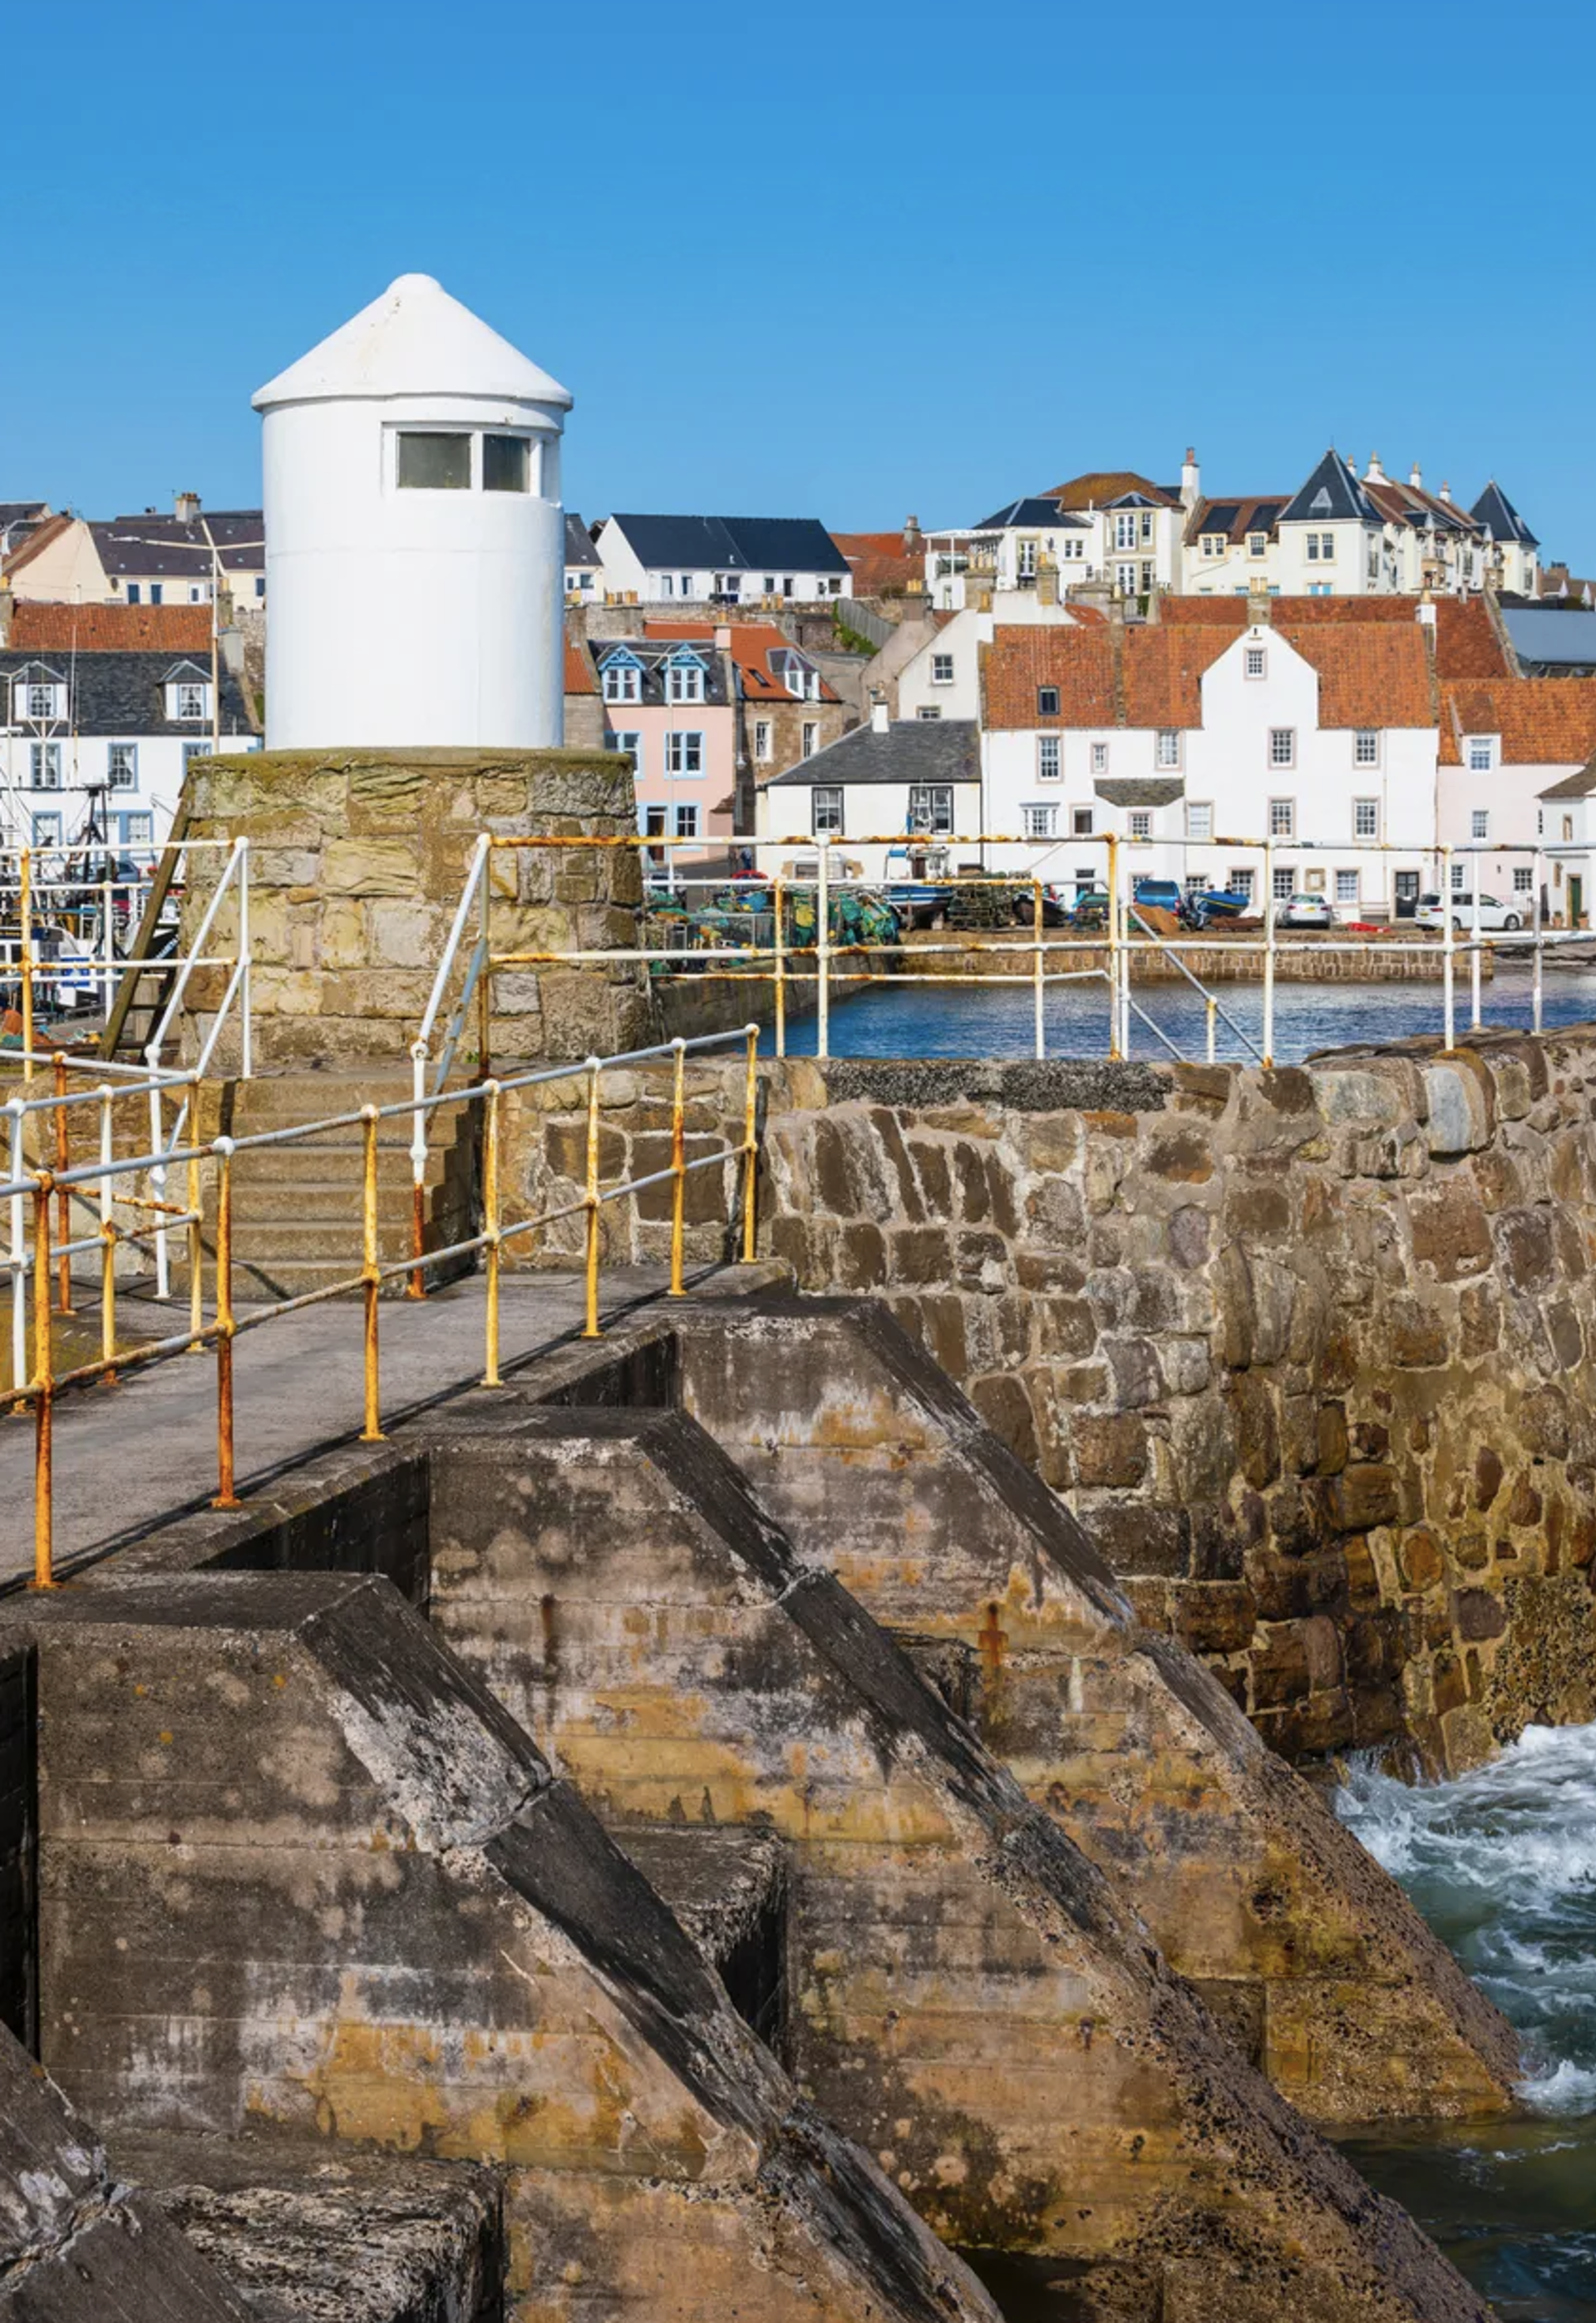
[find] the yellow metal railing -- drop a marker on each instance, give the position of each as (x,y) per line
(44,1387)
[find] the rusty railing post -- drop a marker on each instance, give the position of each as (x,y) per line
(750,1142)
(18,1255)
(25,931)
(490,1230)
(678,1161)
(107,1239)
(196,1255)
(226,1497)
(590,1326)
(63,1213)
(43,1387)
(370,1278)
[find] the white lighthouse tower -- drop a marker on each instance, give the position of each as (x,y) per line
(415,539)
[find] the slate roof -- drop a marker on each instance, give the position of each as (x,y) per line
(1543,721)
(1496,510)
(1236,517)
(911,750)
(753,644)
(1332,494)
(732,544)
(1144,790)
(1101,487)
(110,629)
(1042,514)
(579,545)
(1553,638)
(22,512)
(121,693)
(131,546)
(651,654)
(1579,784)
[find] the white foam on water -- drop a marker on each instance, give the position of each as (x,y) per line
(1502,1862)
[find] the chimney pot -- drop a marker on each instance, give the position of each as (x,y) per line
(186,507)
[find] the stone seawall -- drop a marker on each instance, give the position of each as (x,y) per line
(1308,1351)
(1312,961)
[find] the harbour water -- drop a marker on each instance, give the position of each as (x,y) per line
(961,1020)
(1502,1864)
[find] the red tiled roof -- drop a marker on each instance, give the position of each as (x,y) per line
(579,669)
(1102,485)
(1147,676)
(752,644)
(1232,611)
(1371,673)
(1159,674)
(1466,645)
(40,626)
(1543,721)
(879,560)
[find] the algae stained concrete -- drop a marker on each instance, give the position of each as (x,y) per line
(884,1473)
(967,1996)
(301,1878)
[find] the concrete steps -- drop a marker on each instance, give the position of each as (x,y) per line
(296,1207)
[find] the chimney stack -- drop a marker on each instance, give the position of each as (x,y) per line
(1259,611)
(879,721)
(1415,479)
(913,537)
(1446,492)
(1374,473)
(186,507)
(1190,480)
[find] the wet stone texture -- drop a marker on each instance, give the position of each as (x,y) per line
(1307,1351)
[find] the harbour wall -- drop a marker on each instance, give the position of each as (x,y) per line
(1308,1351)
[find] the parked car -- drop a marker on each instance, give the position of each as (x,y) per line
(1497,917)
(1306,912)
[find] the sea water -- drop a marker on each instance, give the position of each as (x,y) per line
(944,1019)
(1502,1864)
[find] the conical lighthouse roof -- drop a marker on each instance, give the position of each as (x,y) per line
(414,340)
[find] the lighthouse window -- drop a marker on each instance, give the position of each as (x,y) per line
(507,465)
(434,464)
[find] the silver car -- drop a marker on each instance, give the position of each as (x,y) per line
(1306,912)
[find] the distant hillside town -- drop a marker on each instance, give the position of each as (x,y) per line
(1361,662)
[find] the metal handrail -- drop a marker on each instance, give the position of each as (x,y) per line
(50,1255)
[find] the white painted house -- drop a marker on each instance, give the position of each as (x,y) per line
(109,734)
(1506,748)
(721,560)
(942,678)
(416,540)
(890,794)
(1195,743)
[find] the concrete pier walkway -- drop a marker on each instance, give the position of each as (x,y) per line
(131,1457)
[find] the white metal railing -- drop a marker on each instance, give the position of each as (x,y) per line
(1109,951)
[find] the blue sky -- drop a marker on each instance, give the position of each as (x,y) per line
(887,257)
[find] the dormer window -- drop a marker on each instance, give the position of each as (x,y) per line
(1482,753)
(1212,543)
(685,682)
(1047,701)
(623,682)
(38,700)
(1258,544)
(189,701)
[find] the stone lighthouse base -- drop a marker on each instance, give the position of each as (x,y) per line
(357,862)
